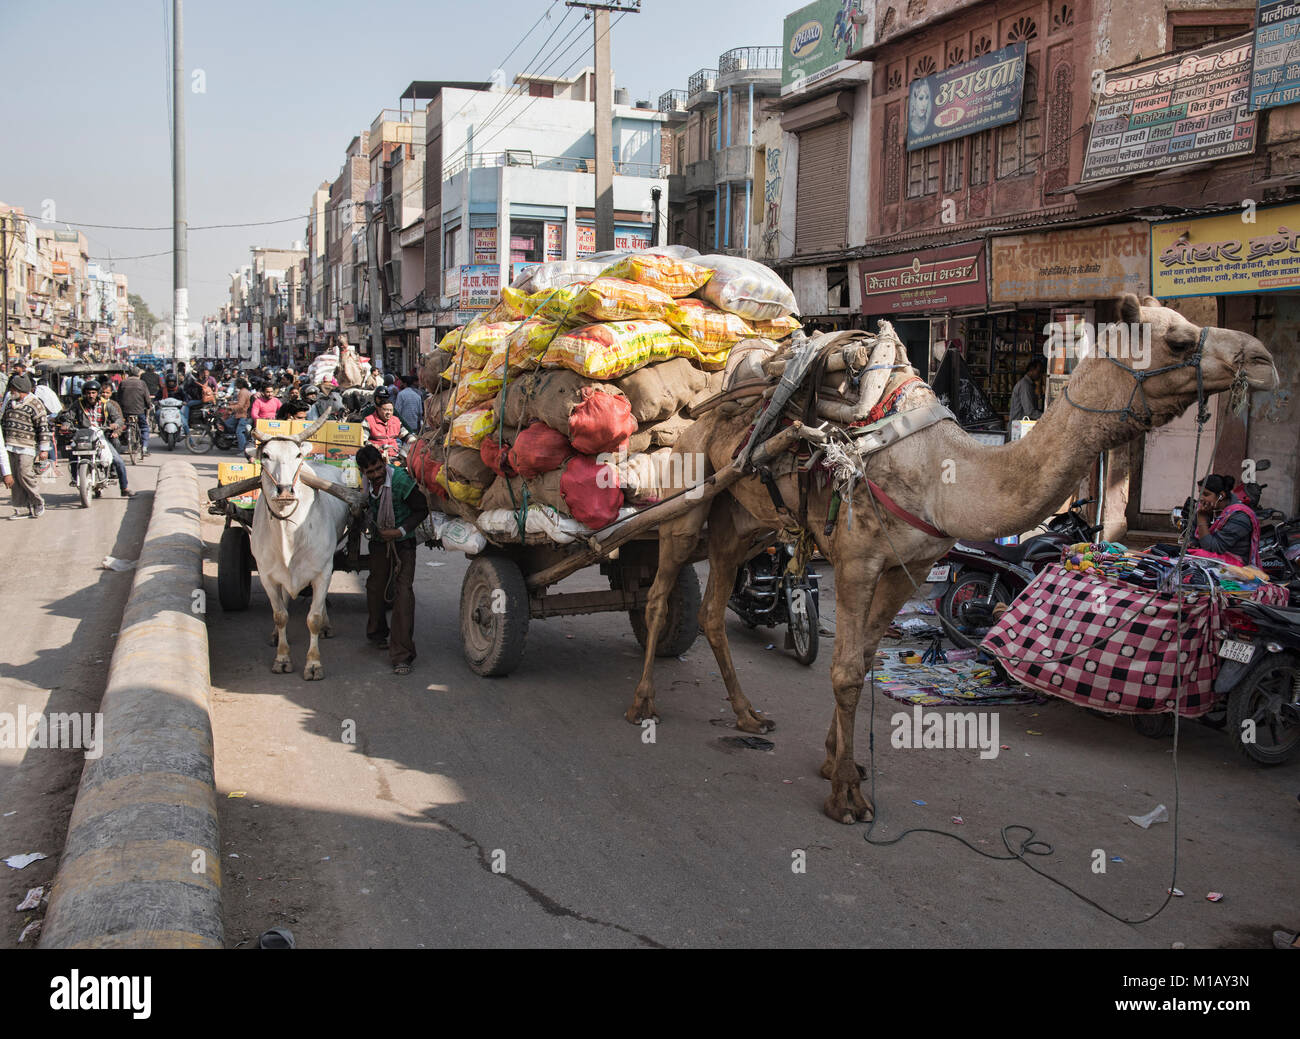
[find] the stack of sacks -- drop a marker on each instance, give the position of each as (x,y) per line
(570,392)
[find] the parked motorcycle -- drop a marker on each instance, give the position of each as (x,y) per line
(977,575)
(169,421)
(208,429)
(1259,675)
(767,593)
(89,448)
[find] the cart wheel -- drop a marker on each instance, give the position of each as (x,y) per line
(235,570)
(493,615)
(1154,726)
(683,625)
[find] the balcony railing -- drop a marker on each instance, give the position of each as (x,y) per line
(673,101)
(552,163)
(739,58)
(701,81)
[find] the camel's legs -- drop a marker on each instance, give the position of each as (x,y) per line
(316,623)
(867,596)
(677,540)
(283,662)
(726,553)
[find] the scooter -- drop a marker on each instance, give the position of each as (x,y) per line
(89,449)
(975,576)
(1259,674)
(169,421)
(767,593)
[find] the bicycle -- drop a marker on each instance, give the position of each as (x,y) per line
(132,442)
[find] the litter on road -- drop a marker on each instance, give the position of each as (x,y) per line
(25,860)
(1159,814)
(33,899)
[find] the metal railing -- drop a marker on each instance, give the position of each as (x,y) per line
(552,163)
(673,101)
(701,81)
(739,58)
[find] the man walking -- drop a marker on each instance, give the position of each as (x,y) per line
(409,406)
(397,508)
(133,396)
(26,429)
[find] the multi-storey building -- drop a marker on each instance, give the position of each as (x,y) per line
(719,131)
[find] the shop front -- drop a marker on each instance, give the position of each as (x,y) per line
(924,295)
(1238,271)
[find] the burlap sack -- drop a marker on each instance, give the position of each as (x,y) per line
(349,371)
(545,489)
(549,396)
(669,431)
(660,390)
(467,466)
(431,371)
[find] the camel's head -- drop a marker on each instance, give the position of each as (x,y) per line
(1150,337)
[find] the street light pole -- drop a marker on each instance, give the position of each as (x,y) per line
(180,273)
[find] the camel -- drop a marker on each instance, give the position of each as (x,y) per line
(941,475)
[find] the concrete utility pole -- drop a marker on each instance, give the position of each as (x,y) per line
(4,286)
(604,128)
(180,274)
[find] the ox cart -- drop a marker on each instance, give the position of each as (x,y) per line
(506,586)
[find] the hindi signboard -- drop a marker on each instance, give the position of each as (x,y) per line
(1222,255)
(932,279)
(1174,110)
(480,286)
(626,238)
(967,98)
(1083,263)
(485,245)
(1275,71)
(586,239)
(818,40)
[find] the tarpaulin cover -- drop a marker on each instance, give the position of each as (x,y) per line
(1114,646)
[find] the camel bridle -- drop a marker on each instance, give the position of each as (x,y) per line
(1193,360)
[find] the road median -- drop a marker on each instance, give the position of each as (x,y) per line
(142,865)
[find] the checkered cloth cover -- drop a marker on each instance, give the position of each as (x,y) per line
(1114,646)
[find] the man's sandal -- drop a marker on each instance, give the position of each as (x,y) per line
(401,669)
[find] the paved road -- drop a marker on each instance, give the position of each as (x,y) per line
(608,841)
(61,613)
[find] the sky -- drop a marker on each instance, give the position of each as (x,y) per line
(85,120)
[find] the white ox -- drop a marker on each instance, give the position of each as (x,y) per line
(295,531)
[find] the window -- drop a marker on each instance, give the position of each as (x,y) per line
(541,90)
(837,287)
(923,172)
(954,165)
(980,146)
(527,244)
(1189,37)
(1020,144)
(449,248)
(711,145)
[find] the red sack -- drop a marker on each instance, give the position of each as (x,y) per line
(591,490)
(423,466)
(602,422)
(495,456)
(539,449)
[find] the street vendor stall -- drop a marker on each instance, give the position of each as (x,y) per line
(1106,629)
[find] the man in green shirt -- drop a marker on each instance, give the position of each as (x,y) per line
(397,508)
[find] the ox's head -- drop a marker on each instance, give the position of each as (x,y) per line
(282,459)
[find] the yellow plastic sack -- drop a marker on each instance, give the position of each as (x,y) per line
(524,347)
(548,304)
(614,348)
(482,337)
(462,364)
(708,327)
(469,429)
(678,278)
(777,328)
(617,299)
(451,341)
(465,492)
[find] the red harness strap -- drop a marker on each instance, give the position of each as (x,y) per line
(886,404)
(902,513)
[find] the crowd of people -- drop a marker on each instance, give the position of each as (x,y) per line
(30,413)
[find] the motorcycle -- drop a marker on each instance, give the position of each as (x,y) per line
(977,575)
(1259,676)
(767,593)
(209,429)
(169,421)
(89,449)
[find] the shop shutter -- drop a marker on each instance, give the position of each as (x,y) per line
(822,202)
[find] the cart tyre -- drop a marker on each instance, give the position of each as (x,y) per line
(683,625)
(493,639)
(234,570)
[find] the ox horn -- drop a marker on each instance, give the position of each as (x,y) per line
(311,430)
